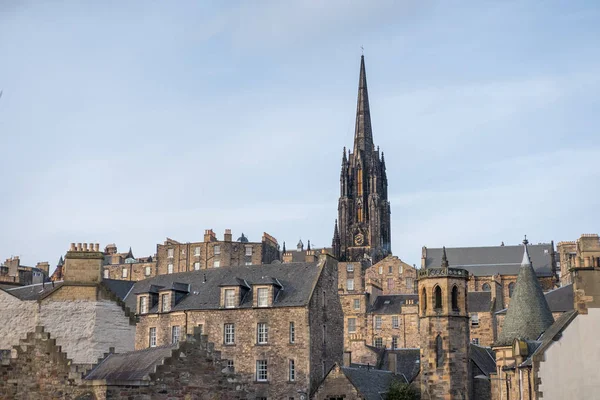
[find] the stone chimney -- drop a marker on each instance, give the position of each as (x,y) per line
(83,263)
(310,256)
(209,236)
(227,235)
(44,266)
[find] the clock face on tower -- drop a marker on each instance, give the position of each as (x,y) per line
(359,239)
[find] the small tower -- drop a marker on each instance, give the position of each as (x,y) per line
(444,329)
(83,263)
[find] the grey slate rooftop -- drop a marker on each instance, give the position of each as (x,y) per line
(392,304)
(484,358)
(118,287)
(34,292)
(408,363)
(371,383)
(479,301)
(487,261)
(297,281)
(561,299)
(528,314)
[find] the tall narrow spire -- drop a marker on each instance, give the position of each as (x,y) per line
(445,263)
(363,136)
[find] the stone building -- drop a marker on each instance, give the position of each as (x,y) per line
(584,252)
(352,383)
(301,254)
(363,227)
(174,256)
(278,325)
(12,273)
(83,313)
(125,266)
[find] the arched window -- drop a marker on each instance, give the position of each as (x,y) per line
(486,287)
(423,301)
(511,289)
(455,298)
(439,352)
(438,298)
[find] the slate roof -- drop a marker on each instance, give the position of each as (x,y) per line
(479,301)
(408,363)
(119,287)
(392,304)
(491,260)
(297,279)
(132,366)
(371,383)
(34,292)
(484,358)
(528,314)
(561,299)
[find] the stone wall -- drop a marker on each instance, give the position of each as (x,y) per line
(135,271)
(407,333)
(485,331)
(17,318)
(393,275)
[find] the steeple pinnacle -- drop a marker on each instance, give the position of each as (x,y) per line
(363,136)
(445,263)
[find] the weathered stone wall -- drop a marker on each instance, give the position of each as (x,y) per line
(16,319)
(485,330)
(135,271)
(336,385)
(407,333)
(393,275)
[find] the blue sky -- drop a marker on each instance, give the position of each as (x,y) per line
(128,122)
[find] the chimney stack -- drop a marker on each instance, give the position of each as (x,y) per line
(227,236)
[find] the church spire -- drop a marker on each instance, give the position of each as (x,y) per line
(363,136)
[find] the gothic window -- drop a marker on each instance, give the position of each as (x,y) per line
(438,298)
(511,289)
(439,352)
(423,301)
(360,182)
(486,287)
(455,298)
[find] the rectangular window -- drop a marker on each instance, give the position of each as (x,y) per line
(230,365)
(201,329)
(324,334)
(229,298)
(390,283)
(292,332)
(394,342)
(261,370)
(217,263)
(197,266)
(351,325)
(390,269)
(262,333)
(143,305)
(380,270)
(106,274)
(292,373)
(166,302)
(148,271)
(410,284)
(395,322)
(475,341)
(377,322)
(475,320)
(217,249)
(229,333)
(248,250)
(248,263)
(152,337)
(357,304)
(197,251)
(170,269)
(170,253)
(378,342)
(350,267)
(263,297)
(124,273)
(175,332)
(400,269)
(350,284)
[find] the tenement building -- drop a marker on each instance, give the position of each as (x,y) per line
(13,273)
(125,266)
(584,252)
(278,325)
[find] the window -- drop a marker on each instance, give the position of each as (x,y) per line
(217,249)
(380,270)
(201,329)
(394,342)
(216,263)
(511,289)
(324,334)
(175,331)
(263,297)
(152,337)
(390,283)
(423,301)
(390,269)
(170,253)
(248,250)
(438,298)
(106,274)
(262,333)
(455,298)
(324,297)
(351,325)
(170,269)
(410,284)
(143,305)
(378,322)
(357,304)
(183,252)
(475,341)
(230,366)
(261,370)
(400,269)
(148,271)
(292,373)
(395,322)
(166,303)
(248,263)
(124,273)
(439,352)
(486,287)
(197,251)
(350,284)
(350,267)
(197,266)
(378,342)
(292,332)
(229,298)
(229,335)
(474,320)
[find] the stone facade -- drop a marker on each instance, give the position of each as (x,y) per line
(393,275)
(13,273)
(584,252)
(337,385)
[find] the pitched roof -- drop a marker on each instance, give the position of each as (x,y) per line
(132,366)
(392,304)
(370,383)
(479,301)
(484,358)
(491,260)
(408,363)
(34,292)
(528,314)
(297,279)
(561,299)
(118,287)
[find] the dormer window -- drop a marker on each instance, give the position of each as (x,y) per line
(263,297)
(230,298)
(143,305)
(165,300)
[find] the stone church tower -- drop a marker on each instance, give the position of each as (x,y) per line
(363,226)
(444,331)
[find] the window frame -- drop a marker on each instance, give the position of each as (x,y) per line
(350,284)
(217,264)
(262,371)
(350,267)
(229,298)
(143,305)
(170,268)
(152,336)
(165,306)
(292,332)
(262,333)
(217,249)
(378,342)
(175,334)
(353,325)
(196,265)
(124,272)
(378,322)
(395,322)
(356,302)
(229,334)
(170,253)
(262,297)
(291,370)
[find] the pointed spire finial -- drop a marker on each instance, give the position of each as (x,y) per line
(308,248)
(526,259)
(362,51)
(444,258)
(284,247)
(525,241)
(363,136)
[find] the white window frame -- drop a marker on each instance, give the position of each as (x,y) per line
(356,304)
(378,322)
(475,319)
(143,305)
(124,272)
(262,372)
(475,341)
(106,274)
(394,342)
(262,333)
(148,271)
(152,336)
(169,268)
(248,263)
(395,322)
(380,270)
(292,332)
(350,284)
(216,249)
(165,306)
(350,268)
(262,295)
(390,269)
(231,365)
(378,341)
(197,251)
(351,327)
(229,333)
(197,266)
(400,269)
(249,250)
(229,298)
(170,253)
(292,370)
(216,263)
(175,334)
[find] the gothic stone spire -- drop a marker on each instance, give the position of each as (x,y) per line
(363,136)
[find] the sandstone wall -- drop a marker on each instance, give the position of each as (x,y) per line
(16,319)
